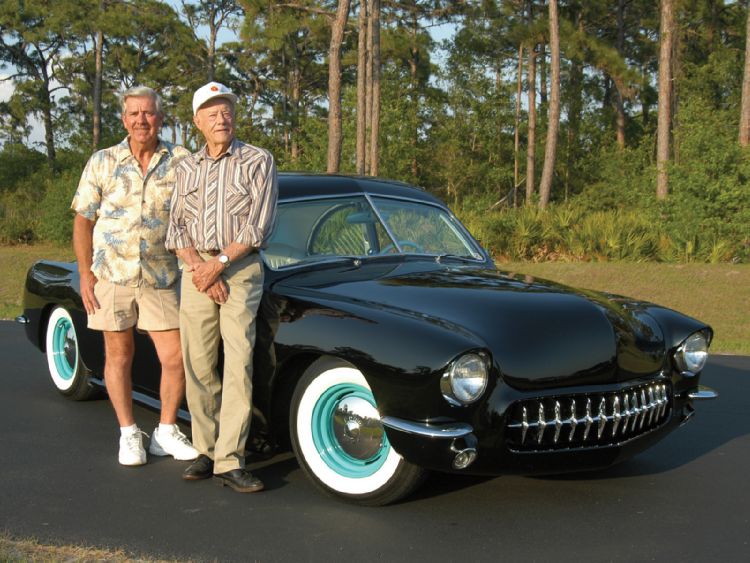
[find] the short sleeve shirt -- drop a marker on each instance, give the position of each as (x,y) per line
(131,214)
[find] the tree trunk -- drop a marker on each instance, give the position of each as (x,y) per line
(553,125)
(96,132)
(368,98)
(516,132)
(211,62)
(413,68)
(375,123)
(531,144)
(542,64)
(334,87)
(620,104)
(49,136)
(745,112)
(362,88)
(666,34)
(296,84)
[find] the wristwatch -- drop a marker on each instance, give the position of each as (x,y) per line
(224,260)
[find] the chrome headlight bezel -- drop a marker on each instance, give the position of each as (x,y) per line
(465,379)
(691,355)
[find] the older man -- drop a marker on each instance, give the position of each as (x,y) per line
(128,278)
(223,210)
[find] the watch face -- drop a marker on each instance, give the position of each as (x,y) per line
(223,258)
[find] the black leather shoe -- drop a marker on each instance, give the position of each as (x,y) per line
(241,480)
(201,468)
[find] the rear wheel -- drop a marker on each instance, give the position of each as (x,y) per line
(340,442)
(68,374)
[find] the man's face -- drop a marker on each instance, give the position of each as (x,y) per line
(215,119)
(141,120)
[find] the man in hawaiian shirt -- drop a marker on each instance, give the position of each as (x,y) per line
(127,276)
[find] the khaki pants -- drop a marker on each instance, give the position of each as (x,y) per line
(221,411)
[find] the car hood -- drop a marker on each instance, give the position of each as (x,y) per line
(539,333)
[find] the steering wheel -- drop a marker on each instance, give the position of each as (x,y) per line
(402,243)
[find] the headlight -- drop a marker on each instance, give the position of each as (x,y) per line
(692,353)
(465,379)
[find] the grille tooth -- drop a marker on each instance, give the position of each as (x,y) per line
(627,413)
(541,424)
(558,421)
(662,399)
(616,416)
(636,411)
(588,420)
(644,408)
(572,421)
(602,418)
(651,404)
(524,425)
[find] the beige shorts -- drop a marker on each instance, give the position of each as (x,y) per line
(123,307)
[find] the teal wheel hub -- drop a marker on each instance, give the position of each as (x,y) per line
(347,432)
(64,349)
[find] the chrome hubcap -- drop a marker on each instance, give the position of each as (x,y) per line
(357,427)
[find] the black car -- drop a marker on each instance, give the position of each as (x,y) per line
(389,344)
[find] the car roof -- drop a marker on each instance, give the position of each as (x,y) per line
(294,185)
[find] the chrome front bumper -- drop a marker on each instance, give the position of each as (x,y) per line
(703,394)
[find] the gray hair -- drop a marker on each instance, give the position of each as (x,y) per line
(142,92)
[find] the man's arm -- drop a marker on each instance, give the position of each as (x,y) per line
(83,246)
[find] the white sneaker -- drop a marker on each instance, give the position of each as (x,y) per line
(173,443)
(131,449)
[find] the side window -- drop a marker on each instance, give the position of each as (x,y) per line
(341,232)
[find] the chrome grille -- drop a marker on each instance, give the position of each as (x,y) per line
(588,420)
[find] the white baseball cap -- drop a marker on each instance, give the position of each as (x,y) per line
(210,91)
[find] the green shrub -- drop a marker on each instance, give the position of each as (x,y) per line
(56,223)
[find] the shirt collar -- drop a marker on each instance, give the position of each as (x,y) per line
(124,152)
(202,154)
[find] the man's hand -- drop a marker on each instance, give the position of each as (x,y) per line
(206,273)
(218,292)
(88,281)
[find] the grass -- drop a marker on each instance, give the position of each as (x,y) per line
(718,294)
(15,262)
(14,549)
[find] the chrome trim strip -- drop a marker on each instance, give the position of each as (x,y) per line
(703,394)
(450,430)
(23,319)
(524,425)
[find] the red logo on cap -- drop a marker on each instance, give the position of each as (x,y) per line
(214,88)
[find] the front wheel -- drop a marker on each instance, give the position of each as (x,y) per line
(340,442)
(68,374)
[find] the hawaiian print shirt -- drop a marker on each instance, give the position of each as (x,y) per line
(131,212)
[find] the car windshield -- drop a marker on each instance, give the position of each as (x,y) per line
(346,227)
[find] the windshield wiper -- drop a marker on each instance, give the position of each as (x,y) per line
(462,257)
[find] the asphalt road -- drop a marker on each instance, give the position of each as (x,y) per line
(686,499)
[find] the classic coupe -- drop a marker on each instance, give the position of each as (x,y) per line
(389,344)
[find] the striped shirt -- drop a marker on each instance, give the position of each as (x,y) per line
(131,213)
(221,200)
